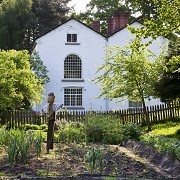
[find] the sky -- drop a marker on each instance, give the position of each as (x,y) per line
(79,5)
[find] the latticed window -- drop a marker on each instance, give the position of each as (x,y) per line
(71,37)
(72,67)
(133,104)
(73,96)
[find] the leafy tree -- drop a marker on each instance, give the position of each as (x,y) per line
(15,16)
(168,85)
(102,10)
(36,65)
(147,8)
(48,14)
(17,82)
(21,22)
(164,23)
(129,72)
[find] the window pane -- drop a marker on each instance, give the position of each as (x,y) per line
(66,100)
(74,37)
(68,37)
(73,97)
(72,67)
(134,104)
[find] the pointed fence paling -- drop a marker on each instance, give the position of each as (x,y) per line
(16,118)
(136,115)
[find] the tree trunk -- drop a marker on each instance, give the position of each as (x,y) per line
(146,115)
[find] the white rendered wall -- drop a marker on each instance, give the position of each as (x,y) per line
(53,51)
(122,38)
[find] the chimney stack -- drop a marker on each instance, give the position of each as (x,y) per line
(96,25)
(117,21)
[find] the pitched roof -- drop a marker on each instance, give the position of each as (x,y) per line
(136,20)
(68,21)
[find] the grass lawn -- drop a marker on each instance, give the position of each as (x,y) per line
(169,129)
(165,137)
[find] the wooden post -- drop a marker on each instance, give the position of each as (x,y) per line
(51,120)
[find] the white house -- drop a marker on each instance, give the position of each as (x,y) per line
(72,53)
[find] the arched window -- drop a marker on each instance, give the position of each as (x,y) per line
(72,67)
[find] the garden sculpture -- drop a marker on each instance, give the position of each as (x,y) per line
(51,120)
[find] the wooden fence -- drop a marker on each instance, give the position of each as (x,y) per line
(17,118)
(156,113)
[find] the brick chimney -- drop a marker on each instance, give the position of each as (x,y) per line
(117,21)
(96,25)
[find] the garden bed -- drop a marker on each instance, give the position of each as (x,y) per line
(70,162)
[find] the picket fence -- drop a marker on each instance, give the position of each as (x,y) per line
(156,113)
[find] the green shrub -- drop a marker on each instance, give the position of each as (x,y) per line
(31,127)
(132,131)
(35,127)
(104,129)
(170,146)
(3,136)
(43,126)
(177,132)
(18,144)
(38,142)
(72,132)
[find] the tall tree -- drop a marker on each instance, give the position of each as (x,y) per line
(168,85)
(164,23)
(22,21)
(48,14)
(15,16)
(36,65)
(130,73)
(146,9)
(102,10)
(17,83)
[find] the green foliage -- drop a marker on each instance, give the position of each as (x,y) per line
(23,145)
(94,159)
(15,17)
(101,10)
(21,22)
(170,146)
(38,68)
(17,82)
(165,22)
(19,143)
(103,129)
(48,14)
(129,72)
(164,137)
(168,85)
(31,126)
(146,8)
(38,143)
(3,138)
(107,129)
(132,131)
(177,132)
(98,129)
(43,126)
(72,132)
(17,146)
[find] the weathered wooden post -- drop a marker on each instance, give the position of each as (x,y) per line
(51,120)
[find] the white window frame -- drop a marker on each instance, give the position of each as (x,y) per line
(71,38)
(73,96)
(134,104)
(72,67)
